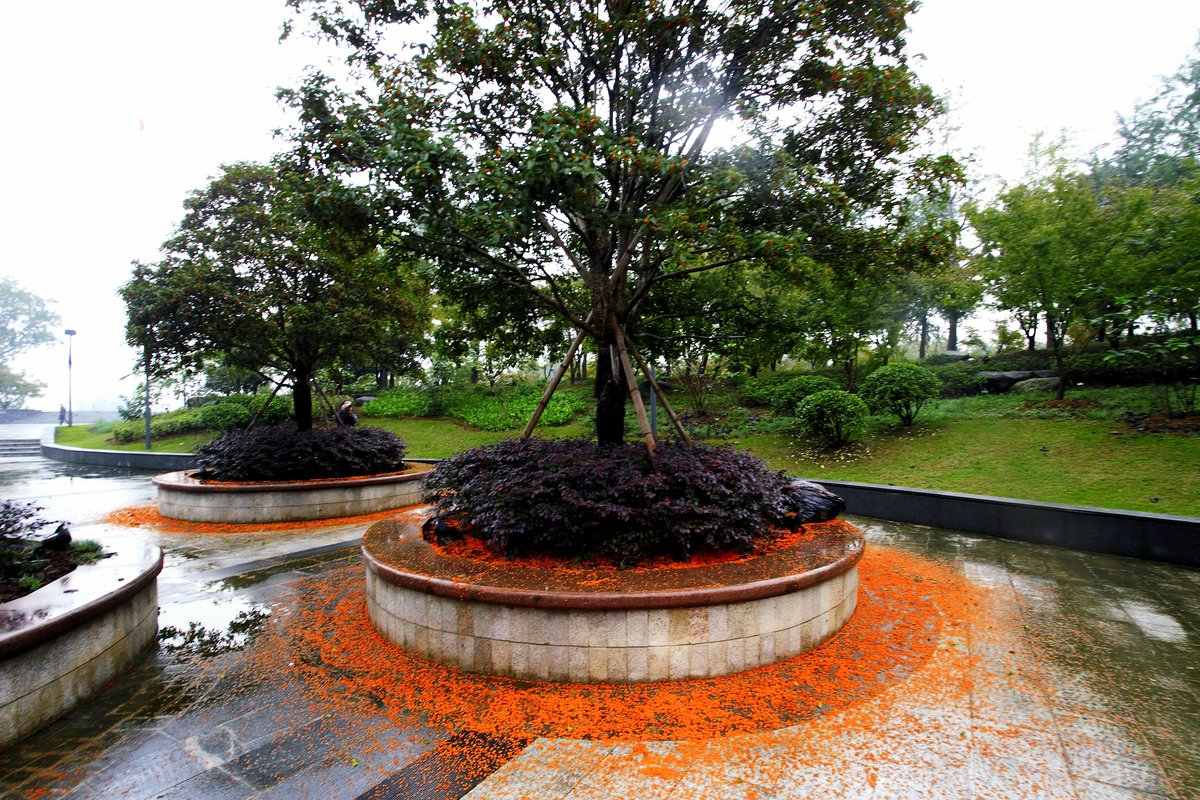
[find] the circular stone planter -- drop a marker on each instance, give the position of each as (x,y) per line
(62,643)
(618,626)
(183,496)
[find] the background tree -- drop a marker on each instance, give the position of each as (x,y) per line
(276,271)
(25,323)
(1055,248)
(534,145)
(16,388)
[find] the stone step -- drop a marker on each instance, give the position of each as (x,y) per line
(20,448)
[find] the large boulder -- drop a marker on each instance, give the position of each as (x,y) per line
(1035,385)
(811,502)
(999,382)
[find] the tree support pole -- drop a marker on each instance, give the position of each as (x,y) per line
(263,407)
(558,376)
(634,394)
(325,400)
(662,397)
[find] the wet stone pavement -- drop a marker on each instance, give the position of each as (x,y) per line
(1076,676)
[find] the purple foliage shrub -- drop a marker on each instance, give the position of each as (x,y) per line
(574,498)
(283,453)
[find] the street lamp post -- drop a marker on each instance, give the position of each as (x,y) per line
(70,408)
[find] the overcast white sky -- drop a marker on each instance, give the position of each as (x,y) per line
(114,111)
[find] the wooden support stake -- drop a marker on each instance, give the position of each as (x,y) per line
(554,381)
(327,403)
(662,397)
(634,394)
(263,407)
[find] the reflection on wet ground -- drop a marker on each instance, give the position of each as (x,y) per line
(1080,679)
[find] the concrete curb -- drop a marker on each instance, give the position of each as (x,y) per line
(129,459)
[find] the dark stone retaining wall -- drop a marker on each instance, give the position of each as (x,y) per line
(1158,537)
(129,459)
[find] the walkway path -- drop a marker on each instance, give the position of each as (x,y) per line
(1078,676)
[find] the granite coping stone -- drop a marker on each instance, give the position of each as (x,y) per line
(79,596)
(395,552)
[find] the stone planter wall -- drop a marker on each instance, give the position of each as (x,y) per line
(181,496)
(683,624)
(60,644)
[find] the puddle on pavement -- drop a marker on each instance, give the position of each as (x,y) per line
(210,626)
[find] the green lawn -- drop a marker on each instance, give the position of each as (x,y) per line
(1085,462)
(1009,446)
(84,436)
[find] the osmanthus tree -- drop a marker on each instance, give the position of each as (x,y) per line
(274,271)
(526,147)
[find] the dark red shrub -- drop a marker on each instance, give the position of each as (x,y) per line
(572,497)
(283,453)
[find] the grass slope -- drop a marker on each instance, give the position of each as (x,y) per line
(1085,462)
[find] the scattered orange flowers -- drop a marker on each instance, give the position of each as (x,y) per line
(905,603)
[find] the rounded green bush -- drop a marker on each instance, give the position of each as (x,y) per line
(787,397)
(900,389)
(833,417)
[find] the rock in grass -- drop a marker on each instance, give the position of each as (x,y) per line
(811,502)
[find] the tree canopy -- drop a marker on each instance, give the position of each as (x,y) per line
(584,158)
(26,322)
(273,273)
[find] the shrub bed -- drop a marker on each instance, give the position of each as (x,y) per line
(502,409)
(960,380)
(224,414)
(282,453)
(574,498)
(788,395)
(760,390)
(26,563)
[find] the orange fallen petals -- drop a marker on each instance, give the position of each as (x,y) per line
(147,516)
(475,549)
(905,604)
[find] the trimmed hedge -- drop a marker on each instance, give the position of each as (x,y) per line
(574,498)
(502,409)
(184,420)
(403,402)
(224,414)
(283,453)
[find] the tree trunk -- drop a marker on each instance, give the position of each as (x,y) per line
(924,345)
(611,394)
(302,397)
(952,331)
(1051,339)
(1060,365)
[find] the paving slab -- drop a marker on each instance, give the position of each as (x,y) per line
(1086,687)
